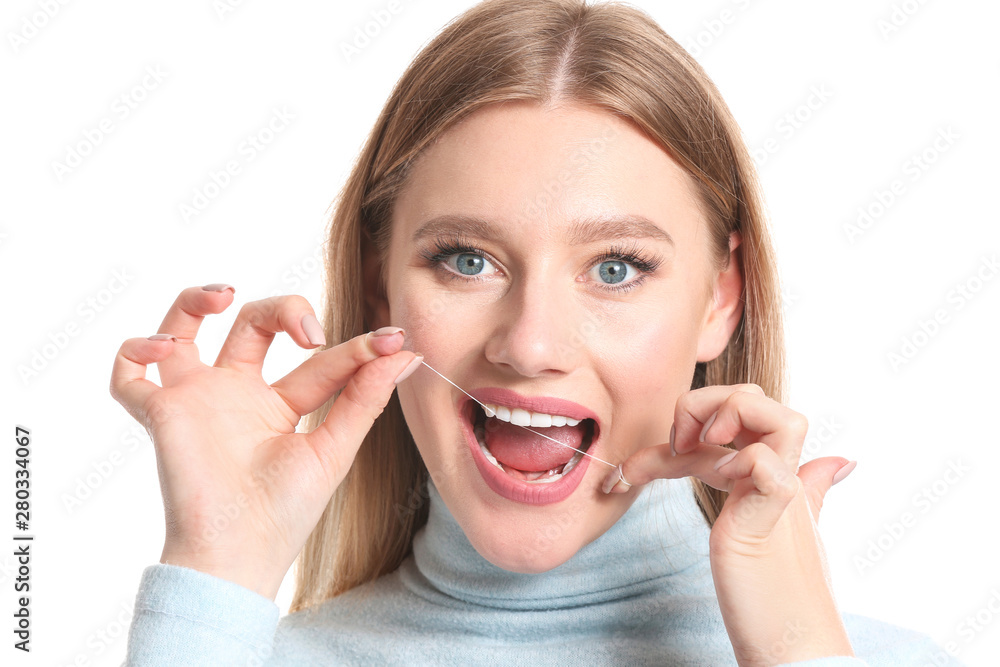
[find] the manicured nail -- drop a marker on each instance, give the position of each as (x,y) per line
(724,460)
(610,481)
(614,479)
(844,471)
(386,331)
(162,337)
(673,429)
(708,425)
(219,287)
(313,330)
(408,371)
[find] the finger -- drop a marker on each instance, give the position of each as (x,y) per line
(774,424)
(695,408)
(774,486)
(337,439)
(129,385)
(657,462)
(819,475)
(311,384)
(257,323)
(183,320)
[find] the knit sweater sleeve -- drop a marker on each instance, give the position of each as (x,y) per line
(187,617)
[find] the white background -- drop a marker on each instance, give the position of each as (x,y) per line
(850,302)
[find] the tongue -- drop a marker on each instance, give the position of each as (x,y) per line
(517,448)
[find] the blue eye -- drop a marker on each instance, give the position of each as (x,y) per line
(613,271)
(620,269)
(470,264)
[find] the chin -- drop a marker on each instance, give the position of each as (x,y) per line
(533,550)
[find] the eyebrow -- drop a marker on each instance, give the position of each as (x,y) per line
(587,230)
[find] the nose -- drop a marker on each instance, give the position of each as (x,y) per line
(540,331)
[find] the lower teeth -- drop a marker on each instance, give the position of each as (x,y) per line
(542,477)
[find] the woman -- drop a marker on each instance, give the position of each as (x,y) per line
(556,214)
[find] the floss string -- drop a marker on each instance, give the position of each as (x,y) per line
(490,413)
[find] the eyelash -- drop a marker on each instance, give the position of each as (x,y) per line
(630,254)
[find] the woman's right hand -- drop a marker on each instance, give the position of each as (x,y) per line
(241,489)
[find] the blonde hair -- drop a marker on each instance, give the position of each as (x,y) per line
(610,56)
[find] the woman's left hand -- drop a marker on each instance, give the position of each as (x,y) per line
(767,558)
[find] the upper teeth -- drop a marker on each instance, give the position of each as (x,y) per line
(520,417)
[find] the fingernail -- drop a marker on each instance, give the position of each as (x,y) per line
(313,330)
(724,460)
(387,331)
(408,371)
(610,481)
(218,287)
(162,337)
(708,425)
(673,429)
(844,471)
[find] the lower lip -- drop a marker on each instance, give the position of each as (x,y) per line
(502,484)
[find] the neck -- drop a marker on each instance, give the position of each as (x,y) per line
(661,542)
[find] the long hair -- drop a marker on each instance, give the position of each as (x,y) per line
(613,57)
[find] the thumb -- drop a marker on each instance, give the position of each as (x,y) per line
(357,407)
(819,475)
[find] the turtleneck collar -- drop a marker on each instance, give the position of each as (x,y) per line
(659,545)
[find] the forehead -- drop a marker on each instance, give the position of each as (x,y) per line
(539,169)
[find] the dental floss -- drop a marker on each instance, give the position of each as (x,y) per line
(489,413)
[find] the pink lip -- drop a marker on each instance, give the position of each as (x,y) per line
(503,484)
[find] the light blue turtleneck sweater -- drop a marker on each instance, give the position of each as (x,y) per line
(641,594)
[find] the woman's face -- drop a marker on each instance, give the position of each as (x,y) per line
(551,262)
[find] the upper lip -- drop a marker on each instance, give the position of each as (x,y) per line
(544,404)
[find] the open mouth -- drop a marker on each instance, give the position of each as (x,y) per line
(526,455)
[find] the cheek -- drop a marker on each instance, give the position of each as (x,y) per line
(650,349)
(648,361)
(439,328)
(437,325)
